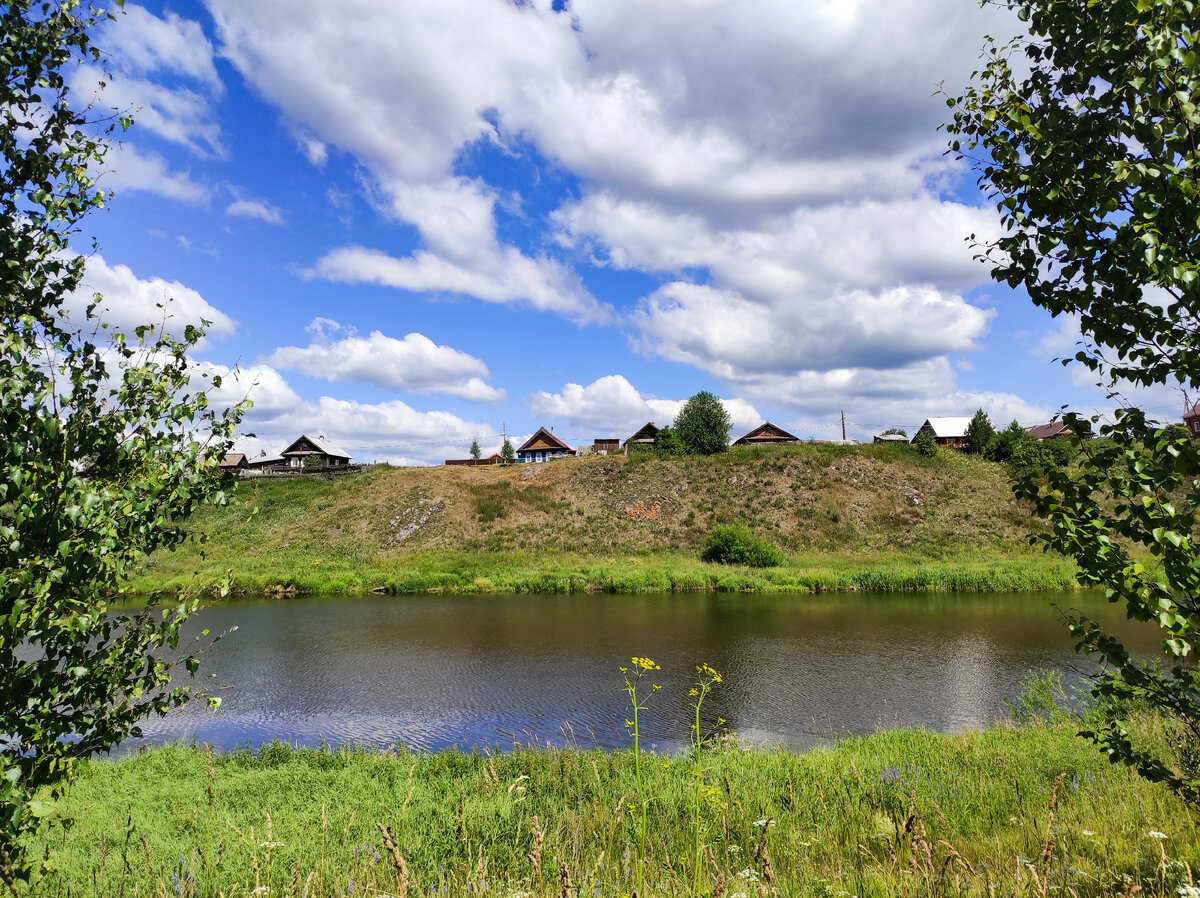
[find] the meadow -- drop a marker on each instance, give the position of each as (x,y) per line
(1023,808)
(865,517)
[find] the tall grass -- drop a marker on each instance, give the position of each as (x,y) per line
(1028,810)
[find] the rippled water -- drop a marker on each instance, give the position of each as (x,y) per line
(432,672)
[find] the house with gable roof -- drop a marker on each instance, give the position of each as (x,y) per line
(644,437)
(318,451)
(765,433)
(946,431)
(543,446)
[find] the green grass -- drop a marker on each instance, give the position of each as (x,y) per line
(1030,810)
(528,572)
(869,517)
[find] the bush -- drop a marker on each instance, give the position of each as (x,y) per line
(735,544)
(925,444)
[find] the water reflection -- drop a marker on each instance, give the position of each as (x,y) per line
(431,672)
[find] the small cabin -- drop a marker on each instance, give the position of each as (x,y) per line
(494,459)
(605,446)
(765,433)
(314,451)
(890,438)
(543,446)
(946,431)
(233,461)
(644,437)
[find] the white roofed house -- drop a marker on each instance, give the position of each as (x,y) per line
(947,431)
(314,451)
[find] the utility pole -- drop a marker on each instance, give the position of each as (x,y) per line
(843,425)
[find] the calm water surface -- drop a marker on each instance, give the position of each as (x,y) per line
(433,672)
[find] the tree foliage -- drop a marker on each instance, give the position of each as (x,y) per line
(979,432)
(506,450)
(667,442)
(702,425)
(476,452)
(1084,133)
(925,443)
(107,447)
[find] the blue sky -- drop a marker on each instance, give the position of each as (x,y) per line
(413,224)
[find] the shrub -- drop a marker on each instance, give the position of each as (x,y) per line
(735,544)
(925,444)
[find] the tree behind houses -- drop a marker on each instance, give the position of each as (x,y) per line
(702,425)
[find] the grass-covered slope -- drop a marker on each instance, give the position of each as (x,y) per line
(876,517)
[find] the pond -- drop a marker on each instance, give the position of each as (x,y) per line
(469,671)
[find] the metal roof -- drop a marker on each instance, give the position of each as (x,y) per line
(949,426)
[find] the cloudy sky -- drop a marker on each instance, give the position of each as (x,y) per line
(412,224)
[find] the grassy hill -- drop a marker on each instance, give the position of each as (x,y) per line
(879,517)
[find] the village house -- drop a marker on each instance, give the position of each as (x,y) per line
(543,446)
(494,459)
(1059,429)
(309,451)
(889,438)
(765,433)
(644,437)
(1191,420)
(947,431)
(233,461)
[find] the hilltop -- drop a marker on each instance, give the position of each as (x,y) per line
(847,517)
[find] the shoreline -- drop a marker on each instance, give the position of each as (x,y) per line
(482,574)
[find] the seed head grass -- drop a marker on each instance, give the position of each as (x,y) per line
(1026,809)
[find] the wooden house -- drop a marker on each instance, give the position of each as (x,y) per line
(889,438)
(604,446)
(233,461)
(263,461)
(948,431)
(1191,420)
(644,437)
(765,433)
(543,446)
(316,451)
(1057,429)
(494,459)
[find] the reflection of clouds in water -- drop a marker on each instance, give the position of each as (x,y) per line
(430,672)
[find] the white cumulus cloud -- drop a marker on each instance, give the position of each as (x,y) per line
(415,363)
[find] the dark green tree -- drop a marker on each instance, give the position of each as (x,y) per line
(107,446)
(667,442)
(476,452)
(506,451)
(979,432)
(1010,442)
(925,444)
(1087,144)
(702,425)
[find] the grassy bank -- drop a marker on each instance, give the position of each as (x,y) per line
(869,517)
(1029,810)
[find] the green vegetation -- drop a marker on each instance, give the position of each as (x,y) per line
(1026,810)
(980,432)
(1087,146)
(702,425)
(108,444)
(925,444)
(735,544)
(846,517)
